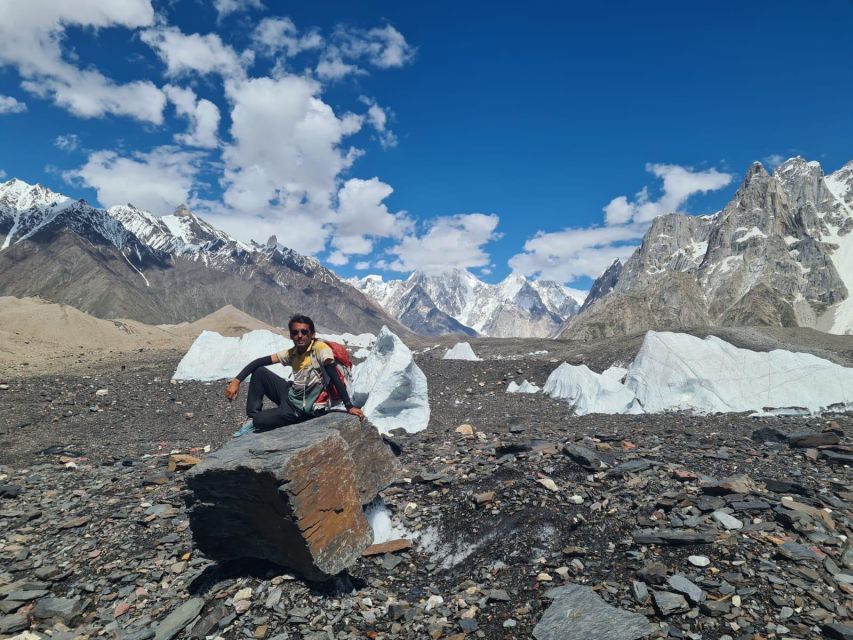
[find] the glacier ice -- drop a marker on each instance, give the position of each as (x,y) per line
(680,372)
(460,351)
(216,357)
(524,387)
(390,387)
(677,371)
(588,391)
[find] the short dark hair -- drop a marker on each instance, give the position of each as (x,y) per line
(301,320)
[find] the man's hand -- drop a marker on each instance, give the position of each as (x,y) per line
(232,389)
(355,411)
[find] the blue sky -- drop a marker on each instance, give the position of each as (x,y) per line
(388,136)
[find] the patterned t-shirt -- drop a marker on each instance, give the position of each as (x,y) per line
(308,376)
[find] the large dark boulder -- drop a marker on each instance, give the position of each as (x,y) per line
(293,496)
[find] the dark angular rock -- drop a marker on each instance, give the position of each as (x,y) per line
(673,537)
(808,440)
(715,608)
(64,609)
(591,618)
(178,619)
(587,458)
(291,496)
(14,623)
(797,551)
(838,631)
(9,491)
(668,603)
(683,585)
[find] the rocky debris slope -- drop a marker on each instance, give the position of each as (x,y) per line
(780,253)
(709,527)
(128,263)
(293,497)
(458,302)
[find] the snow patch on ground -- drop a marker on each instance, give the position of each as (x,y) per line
(461,351)
(383,525)
(215,357)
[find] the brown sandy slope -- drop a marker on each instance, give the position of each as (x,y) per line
(40,337)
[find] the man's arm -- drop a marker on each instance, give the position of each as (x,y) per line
(233,387)
(336,382)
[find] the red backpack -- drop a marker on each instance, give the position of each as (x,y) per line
(343,365)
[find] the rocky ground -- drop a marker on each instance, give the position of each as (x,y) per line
(711,527)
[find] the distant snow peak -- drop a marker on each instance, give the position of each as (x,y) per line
(456,301)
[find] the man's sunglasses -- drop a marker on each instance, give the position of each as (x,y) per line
(300,332)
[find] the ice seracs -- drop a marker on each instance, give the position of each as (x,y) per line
(215,357)
(390,387)
(588,391)
(680,372)
(524,387)
(461,351)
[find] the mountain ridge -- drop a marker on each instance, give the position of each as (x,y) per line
(126,262)
(457,301)
(780,253)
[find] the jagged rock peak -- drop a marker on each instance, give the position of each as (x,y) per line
(757,169)
(183,211)
(272,241)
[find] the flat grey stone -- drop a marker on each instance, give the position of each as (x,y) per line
(578,613)
(683,585)
(673,537)
(668,603)
(64,609)
(176,621)
(729,522)
(12,624)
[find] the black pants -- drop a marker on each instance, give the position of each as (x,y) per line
(265,383)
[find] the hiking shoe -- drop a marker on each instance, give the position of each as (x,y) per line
(247,428)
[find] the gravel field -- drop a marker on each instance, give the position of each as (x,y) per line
(94,539)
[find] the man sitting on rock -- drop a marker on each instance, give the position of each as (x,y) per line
(314,370)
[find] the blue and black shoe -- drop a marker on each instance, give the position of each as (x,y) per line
(247,428)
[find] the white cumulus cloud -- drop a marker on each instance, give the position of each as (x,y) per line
(157,181)
(31,35)
(227,7)
(275,35)
(383,47)
(194,53)
(362,216)
(8,104)
(203,116)
(449,242)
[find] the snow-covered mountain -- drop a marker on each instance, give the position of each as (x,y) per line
(780,253)
(126,262)
(457,301)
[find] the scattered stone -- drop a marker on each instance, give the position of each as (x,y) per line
(683,585)
(729,522)
(734,484)
(391,546)
(668,603)
(588,458)
(66,610)
(182,462)
(178,619)
(672,537)
(698,561)
(591,618)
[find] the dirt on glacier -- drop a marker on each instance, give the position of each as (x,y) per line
(94,540)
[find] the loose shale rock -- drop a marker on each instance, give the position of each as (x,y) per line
(292,496)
